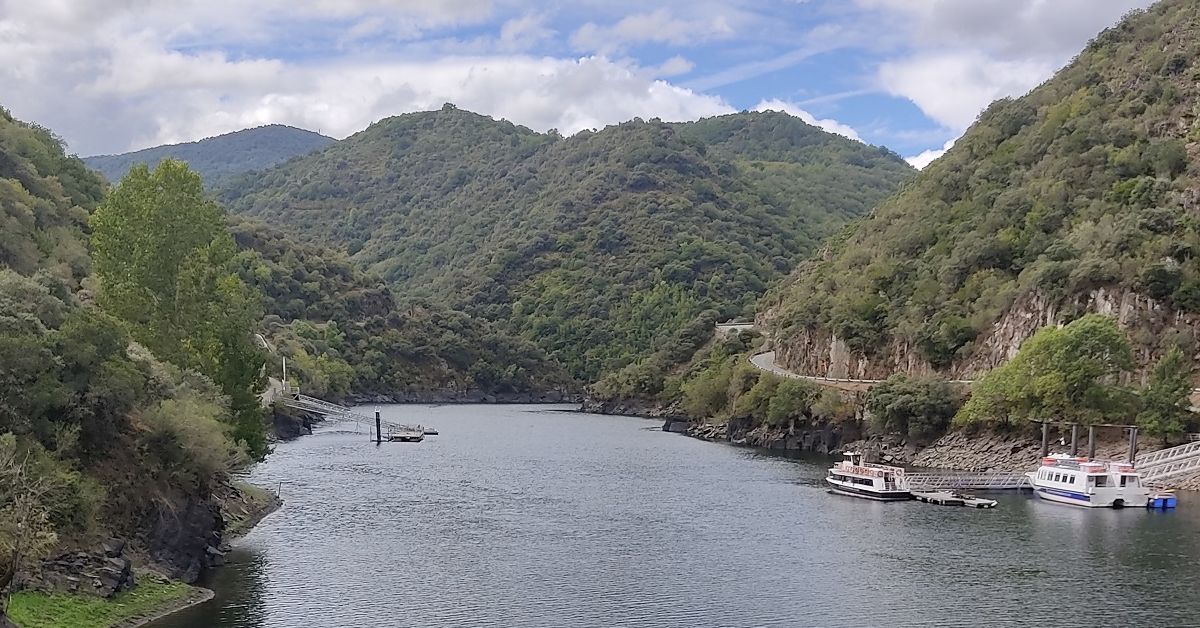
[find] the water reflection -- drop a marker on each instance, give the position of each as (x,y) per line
(515,517)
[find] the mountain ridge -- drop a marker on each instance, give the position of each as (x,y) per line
(598,245)
(221,155)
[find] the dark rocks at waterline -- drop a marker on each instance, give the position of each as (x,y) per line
(821,439)
(465,396)
(83,573)
(178,541)
(288,423)
(634,407)
(676,425)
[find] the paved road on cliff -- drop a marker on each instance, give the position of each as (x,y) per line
(766,362)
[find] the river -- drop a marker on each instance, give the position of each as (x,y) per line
(526,516)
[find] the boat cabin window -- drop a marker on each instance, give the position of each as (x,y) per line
(1132,480)
(1101,480)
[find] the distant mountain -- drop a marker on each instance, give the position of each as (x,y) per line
(598,246)
(1083,195)
(224,155)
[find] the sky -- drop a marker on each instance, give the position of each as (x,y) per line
(911,75)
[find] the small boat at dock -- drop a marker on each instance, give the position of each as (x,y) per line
(1091,483)
(429,431)
(952,498)
(857,478)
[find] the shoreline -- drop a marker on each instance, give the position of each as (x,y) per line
(196,597)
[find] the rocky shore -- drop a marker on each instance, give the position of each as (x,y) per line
(463,396)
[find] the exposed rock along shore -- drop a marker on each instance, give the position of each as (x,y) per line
(465,396)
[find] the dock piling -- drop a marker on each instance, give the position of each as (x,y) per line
(378,428)
(1045,438)
(1091,442)
(1074,439)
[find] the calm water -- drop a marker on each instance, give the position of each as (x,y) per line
(521,516)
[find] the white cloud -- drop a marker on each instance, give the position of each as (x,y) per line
(953,87)
(673,67)
(145,77)
(660,26)
(828,124)
(523,32)
(928,156)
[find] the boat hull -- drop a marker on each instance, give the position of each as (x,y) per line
(1101,498)
(853,491)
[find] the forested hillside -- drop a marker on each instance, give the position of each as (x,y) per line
(98,436)
(218,157)
(1082,196)
(599,247)
(345,334)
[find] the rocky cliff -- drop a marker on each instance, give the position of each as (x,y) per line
(821,353)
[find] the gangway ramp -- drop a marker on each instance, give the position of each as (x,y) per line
(335,412)
(964,480)
(1158,468)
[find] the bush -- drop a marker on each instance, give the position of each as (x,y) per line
(918,408)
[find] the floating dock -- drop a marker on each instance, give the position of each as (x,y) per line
(950,498)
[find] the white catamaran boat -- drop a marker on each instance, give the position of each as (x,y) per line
(854,477)
(1092,483)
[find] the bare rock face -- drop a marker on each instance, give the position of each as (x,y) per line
(818,352)
(103,573)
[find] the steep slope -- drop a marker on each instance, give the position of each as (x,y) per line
(224,155)
(130,447)
(345,334)
(1082,195)
(44,202)
(599,246)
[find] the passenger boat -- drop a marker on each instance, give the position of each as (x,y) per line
(1091,483)
(854,477)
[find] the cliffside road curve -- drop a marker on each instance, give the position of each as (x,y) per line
(766,362)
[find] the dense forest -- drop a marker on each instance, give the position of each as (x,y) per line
(346,334)
(222,156)
(1081,193)
(598,247)
(117,416)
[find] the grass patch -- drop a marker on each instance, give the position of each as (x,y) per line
(31,609)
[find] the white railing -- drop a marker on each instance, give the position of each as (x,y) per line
(984,480)
(1194,437)
(1186,451)
(334,411)
(1158,476)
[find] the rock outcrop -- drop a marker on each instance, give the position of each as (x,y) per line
(819,352)
(103,573)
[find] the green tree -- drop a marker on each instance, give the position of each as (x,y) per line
(166,263)
(1164,400)
(920,408)
(793,399)
(1066,373)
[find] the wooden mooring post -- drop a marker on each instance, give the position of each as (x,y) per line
(1045,438)
(1074,439)
(1091,442)
(378,429)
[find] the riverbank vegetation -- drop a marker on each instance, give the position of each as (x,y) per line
(127,394)
(31,609)
(345,332)
(1078,373)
